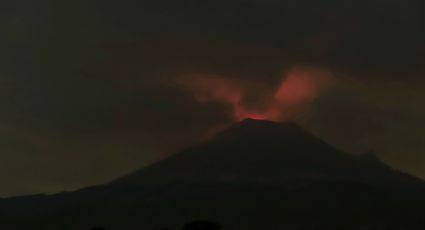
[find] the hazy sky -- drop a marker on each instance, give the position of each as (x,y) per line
(92,90)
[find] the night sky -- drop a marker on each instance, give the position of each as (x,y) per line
(92,90)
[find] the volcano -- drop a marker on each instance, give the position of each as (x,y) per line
(255,174)
(261,152)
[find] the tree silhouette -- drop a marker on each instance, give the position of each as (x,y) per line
(201,225)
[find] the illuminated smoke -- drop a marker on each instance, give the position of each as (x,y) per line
(298,90)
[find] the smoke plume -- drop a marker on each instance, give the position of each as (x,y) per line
(252,99)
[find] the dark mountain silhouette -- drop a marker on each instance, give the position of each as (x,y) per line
(253,175)
(268,153)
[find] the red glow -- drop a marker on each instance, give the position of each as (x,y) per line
(302,85)
(299,89)
(253,116)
